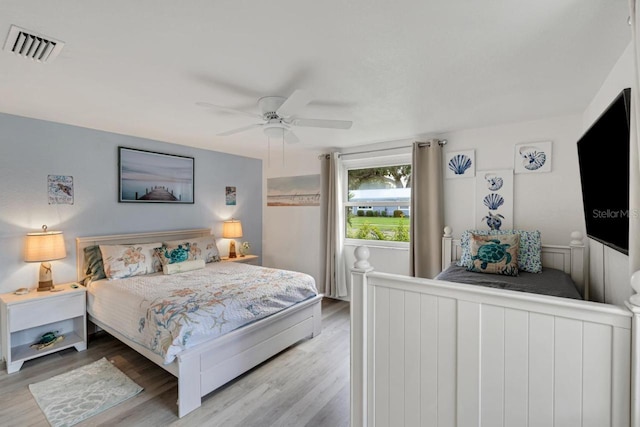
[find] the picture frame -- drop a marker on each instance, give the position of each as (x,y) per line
(230,196)
(460,164)
(60,189)
(152,177)
(301,190)
(532,157)
(494,199)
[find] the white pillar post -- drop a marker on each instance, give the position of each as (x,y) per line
(447,243)
(578,270)
(359,336)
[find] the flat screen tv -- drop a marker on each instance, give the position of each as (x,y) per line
(603,154)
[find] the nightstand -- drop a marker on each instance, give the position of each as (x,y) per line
(247,259)
(25,318)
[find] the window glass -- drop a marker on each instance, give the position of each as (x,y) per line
(378,201)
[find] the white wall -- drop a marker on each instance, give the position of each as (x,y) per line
(550,202)
(609,268)
(292,234)
(32,149)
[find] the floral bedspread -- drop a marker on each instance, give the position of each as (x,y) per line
(170,313)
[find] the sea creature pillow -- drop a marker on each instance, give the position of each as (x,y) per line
(494,254)
(529,251)
(122,261)
(173,255)
(199,248)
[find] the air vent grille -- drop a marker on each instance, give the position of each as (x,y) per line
(28,44)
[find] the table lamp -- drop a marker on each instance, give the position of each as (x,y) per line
(232,229)
(43,247)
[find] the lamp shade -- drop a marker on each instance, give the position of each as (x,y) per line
(232,229)
(44,246)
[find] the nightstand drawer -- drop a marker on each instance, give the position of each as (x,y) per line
(30,314)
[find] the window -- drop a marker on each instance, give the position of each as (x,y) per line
(378,199)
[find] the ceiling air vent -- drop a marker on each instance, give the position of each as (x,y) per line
(33,46)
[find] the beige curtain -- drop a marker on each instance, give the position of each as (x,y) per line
(634,167)
(334,282)
(427,209)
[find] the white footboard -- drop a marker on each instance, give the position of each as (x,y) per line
(427,352)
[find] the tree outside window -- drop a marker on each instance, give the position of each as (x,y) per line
(378,203)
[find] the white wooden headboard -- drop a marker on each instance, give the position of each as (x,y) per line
(571,259)
(123,239)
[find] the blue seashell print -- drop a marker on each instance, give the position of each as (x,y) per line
(494,182)
(494,222)
(532,158)
(493,201)
(459,164)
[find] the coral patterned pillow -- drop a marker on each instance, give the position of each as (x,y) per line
(136,259)
(494,254)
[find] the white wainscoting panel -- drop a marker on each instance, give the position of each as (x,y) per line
(440,356)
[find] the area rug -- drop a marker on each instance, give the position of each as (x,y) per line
(76,395)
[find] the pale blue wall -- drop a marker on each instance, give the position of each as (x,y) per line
(30,150)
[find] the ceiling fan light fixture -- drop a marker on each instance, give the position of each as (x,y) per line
(275,130)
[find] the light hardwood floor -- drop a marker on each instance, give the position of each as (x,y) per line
(305,385)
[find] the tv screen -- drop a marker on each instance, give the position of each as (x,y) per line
(603,154)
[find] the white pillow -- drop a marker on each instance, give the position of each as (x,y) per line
(179,267)
(136,259)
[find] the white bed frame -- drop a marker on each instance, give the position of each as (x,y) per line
(431,352)
(209,365)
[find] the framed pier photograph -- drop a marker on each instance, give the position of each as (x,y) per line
(150,177)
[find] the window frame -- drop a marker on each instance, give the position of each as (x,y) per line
(365,163)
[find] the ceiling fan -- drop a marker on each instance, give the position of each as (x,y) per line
(279,116)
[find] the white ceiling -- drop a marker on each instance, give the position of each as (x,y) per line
(398,69)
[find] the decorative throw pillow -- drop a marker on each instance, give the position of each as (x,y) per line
(122,261)
(181,267)
(494,254)
(529,251)
(199,248)
(173,255)
(93,263)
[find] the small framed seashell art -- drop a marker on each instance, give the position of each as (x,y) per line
(494,199)
(533,157)
(460,164)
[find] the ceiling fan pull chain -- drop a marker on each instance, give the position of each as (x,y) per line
(283,148)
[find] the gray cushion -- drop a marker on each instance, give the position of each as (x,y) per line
(93,263)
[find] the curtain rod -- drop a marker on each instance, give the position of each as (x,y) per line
(441,142)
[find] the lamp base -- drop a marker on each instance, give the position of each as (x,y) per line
(45,286)
(232,249)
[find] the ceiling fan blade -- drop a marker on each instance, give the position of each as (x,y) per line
(242,129)
(291,138)
(321,123)
(246,113)
(296,101)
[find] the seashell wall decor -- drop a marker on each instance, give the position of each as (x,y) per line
(494,199)
(494,182)
(460,164)
(532,157)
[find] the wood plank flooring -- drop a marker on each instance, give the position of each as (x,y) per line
(305,385)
